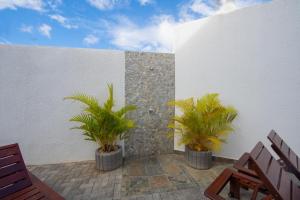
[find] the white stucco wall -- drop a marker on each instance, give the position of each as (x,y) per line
(252,58)
(33,83)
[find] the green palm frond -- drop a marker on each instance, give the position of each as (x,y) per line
(85,99)
(100,123)
(125,109)
(110,101)
(205,123)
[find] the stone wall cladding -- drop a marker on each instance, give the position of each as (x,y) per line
(149,84)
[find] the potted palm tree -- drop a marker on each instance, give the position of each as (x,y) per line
(203,126)
(103,125)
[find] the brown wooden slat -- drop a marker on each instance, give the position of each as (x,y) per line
(16,187)
(20,193)
(15,181)
(29,194)
(8,151)
(296,192)
(242,165)
(10,160)
(294,158)
(264,159)
(269,184)
(219,183)
(49,193)
(11,179)
(256,150)
(274,172)
(8,146)
(277,141)
(11,169)
(271,134)
(285,186)
(36,197)
(285,149)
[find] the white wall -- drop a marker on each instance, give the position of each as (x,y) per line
(252,58)
(33,83)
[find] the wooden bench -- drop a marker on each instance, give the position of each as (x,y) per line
(285,153)
(271,179)
(16,182)
(288,159)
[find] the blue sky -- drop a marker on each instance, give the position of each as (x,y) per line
(141,25)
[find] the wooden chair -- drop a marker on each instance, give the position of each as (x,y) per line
(288,159)
(16,182)
(285,153)
(272,179)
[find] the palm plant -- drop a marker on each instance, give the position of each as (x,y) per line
(204,123)
(100,123)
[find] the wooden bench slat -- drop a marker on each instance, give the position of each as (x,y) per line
(9,151)
(242,165)
(285,149)
(294,158)
(20,193)
(214,189)
(30,194)
(11,169)
(16,187)
(274,173)
(296,192)
(256,150)
(264,159)
(10,160)
(289,157)
(37,196)
(270,183)
(49,193)
(271,135)
(285,186)
(16,182)
(11,179)
(277,141)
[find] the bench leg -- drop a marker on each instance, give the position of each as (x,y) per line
(234,188)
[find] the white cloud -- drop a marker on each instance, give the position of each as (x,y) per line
(105,4)
(90,40)
(63,21)
(156,36)
(26,29)
(203,8)
(29,4)
(145,2)
(4,41)
(53,4)
(45,30)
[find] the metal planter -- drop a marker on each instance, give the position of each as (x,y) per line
(198,159)
(108,161)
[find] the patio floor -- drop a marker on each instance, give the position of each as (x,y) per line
(154,178)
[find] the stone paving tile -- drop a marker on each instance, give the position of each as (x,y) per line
(164,177)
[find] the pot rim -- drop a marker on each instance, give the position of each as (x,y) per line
(186,146)
(110,153)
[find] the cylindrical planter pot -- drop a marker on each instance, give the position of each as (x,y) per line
(109,161)
(198,159)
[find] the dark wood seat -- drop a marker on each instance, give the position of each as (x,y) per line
(271,177)
(288,159)
(16,182)
(285,153)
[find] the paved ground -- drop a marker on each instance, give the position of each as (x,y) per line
(155,178)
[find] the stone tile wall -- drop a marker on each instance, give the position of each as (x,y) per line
(149,84)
